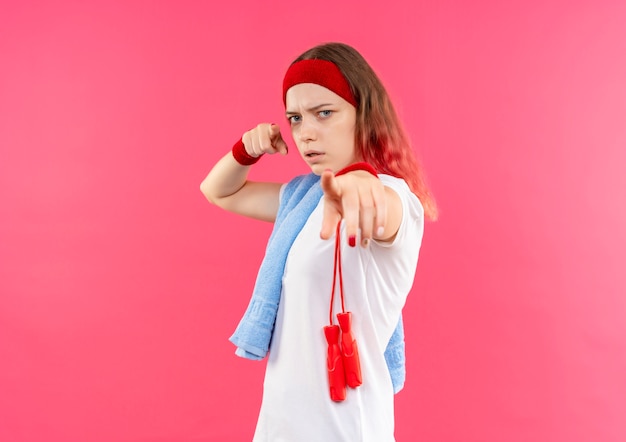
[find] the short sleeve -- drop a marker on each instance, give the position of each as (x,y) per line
(412,224)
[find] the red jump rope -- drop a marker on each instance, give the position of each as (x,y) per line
(342,362)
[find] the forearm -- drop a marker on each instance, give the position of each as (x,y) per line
(225,179)
(227,186)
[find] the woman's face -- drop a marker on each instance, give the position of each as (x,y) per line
(322,125)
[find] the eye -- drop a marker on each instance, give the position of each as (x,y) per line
(325,113)
(293,119)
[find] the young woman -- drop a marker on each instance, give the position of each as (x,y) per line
(346,238)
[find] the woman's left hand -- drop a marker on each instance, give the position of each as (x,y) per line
(366,205)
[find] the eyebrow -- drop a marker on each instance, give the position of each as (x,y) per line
(311,109)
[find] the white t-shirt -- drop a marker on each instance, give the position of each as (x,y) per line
(296,404)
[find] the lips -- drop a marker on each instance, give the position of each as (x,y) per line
(312,153)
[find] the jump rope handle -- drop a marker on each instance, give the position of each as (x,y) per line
(349,351)
(334,364)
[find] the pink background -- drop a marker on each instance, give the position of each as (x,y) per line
(120,284)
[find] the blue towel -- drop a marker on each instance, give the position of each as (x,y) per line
(254,332)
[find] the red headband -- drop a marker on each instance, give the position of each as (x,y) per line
(322,72)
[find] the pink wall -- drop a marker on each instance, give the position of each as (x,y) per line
(119,284)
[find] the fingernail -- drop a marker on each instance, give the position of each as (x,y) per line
(380,231)
(352,240)
(365,242)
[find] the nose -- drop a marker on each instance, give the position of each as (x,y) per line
(306,131)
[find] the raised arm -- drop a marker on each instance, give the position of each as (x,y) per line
(227,184)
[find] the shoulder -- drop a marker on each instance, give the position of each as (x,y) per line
(412,221)
(300,180)
(409,200)
(298,186)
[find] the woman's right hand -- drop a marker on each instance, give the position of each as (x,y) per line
(265,138)
(227,185)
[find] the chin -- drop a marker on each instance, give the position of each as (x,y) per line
(318,169)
